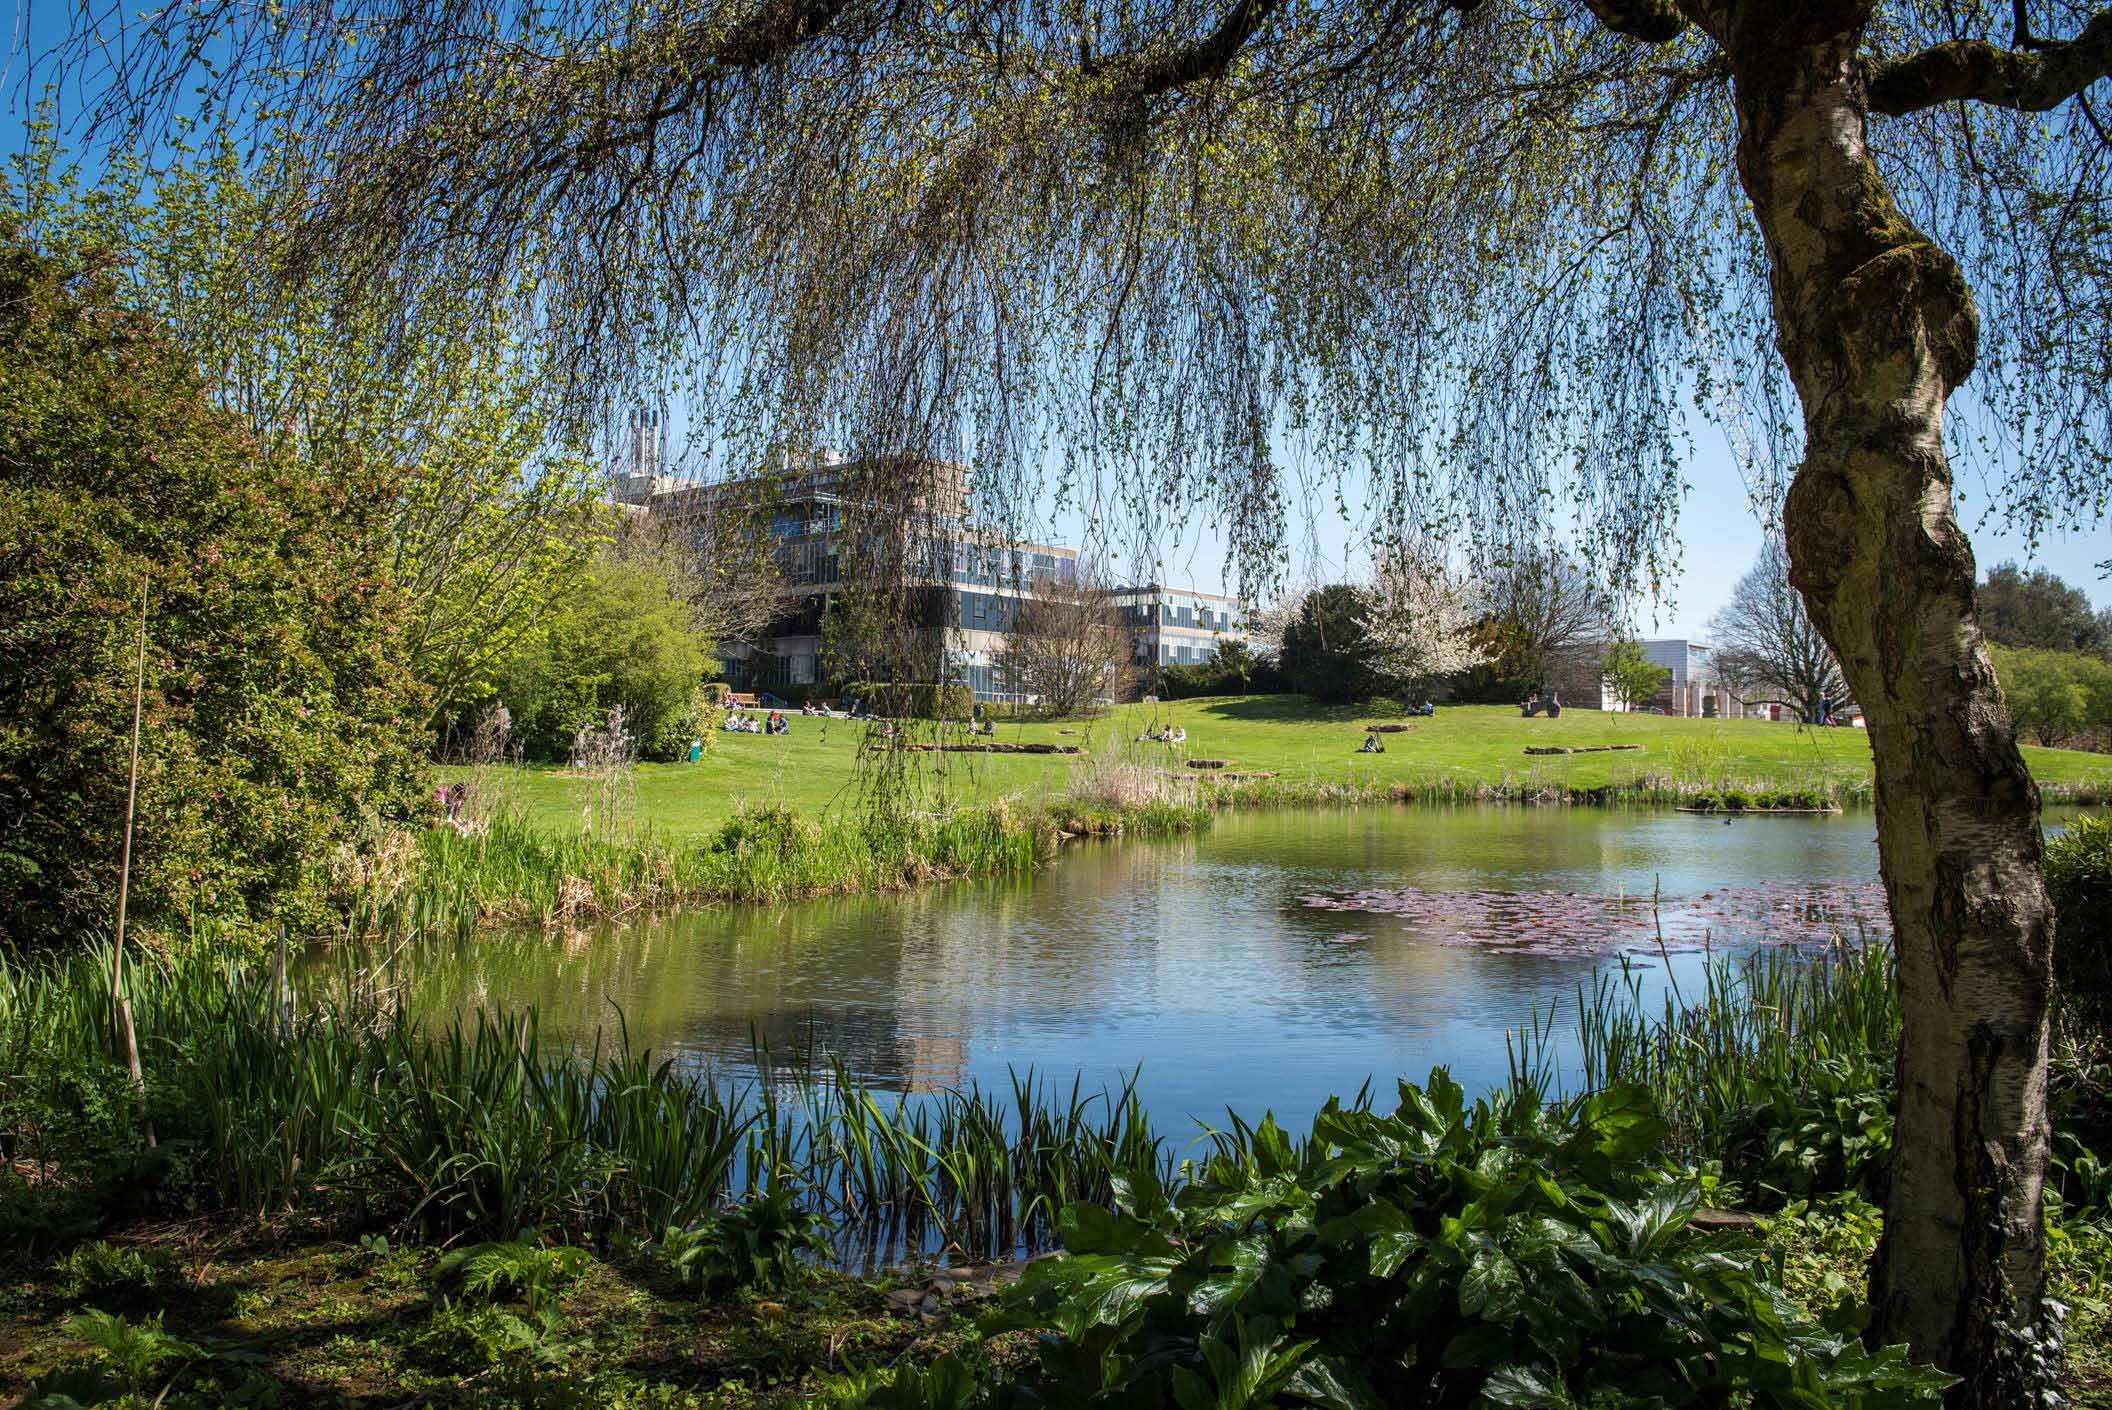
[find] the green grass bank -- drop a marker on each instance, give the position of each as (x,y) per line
(832,808)
(1462,753)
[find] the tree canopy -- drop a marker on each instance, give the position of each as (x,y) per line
(1204,231)
(2037,609)
(1765,642)
(280,720)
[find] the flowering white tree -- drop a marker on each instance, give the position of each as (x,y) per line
(1267,623)
(1419,621)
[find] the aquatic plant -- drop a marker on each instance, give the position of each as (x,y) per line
(479,1127)
(1511,1252)
(1780,1068)
(510,872)
(1570,924)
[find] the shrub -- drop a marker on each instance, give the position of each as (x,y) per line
(670,736)
(1234,670)
(522,1268)
(110,1273)
(1830,1132)
(281,721)
(2079,880)
(624,635)
(762,1245)
(913,700)
(1327,650)
(136,1354)
(1507,1254)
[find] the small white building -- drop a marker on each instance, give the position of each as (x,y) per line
(1692,689)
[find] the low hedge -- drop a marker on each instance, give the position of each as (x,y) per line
(921,700)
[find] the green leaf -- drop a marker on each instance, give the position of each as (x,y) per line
(1622,1123)
(1478,1345)
(1332,1382)
(1492,1288)
(1525,1388)
(1091,1228)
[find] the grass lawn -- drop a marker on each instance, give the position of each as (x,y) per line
(816,769)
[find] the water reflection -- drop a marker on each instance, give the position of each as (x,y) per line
(1196,959)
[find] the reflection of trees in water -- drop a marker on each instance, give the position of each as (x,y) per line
(893,984)
(885,983)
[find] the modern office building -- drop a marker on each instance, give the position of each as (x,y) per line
(1179,626)
(972,581)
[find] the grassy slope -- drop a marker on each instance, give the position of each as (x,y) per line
(815,767)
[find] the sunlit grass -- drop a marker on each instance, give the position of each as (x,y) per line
(1464,752)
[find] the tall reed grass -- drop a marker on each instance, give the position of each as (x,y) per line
(1441,786)
(512,873)
(479,1128)
(1779,1067)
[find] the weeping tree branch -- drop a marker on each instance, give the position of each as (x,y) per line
(1651,21)
(2035,77)
(1146,75)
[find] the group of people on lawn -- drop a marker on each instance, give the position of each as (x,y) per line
(773,723)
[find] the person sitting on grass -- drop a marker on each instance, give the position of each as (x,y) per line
(1371,743)
(1176,734)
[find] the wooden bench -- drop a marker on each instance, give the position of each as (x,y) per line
(743,700)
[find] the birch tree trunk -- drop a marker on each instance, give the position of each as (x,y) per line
(1877,327)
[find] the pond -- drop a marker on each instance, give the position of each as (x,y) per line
(1276,959)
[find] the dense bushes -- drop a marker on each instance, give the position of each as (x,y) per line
(919,700)
(2079,880)
(1328,652)
(1234,670)
(279,713)
(623,636)
(2058,697)
(1511,1253)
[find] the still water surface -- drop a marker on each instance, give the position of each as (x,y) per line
(1201,961)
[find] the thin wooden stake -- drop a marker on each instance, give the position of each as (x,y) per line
(127,1038)
(281,1000)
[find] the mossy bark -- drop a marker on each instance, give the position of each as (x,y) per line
(1877,327)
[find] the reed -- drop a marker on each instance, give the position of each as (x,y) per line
(512,873)
(1648,790)
(478,1128)
(1779,1068)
